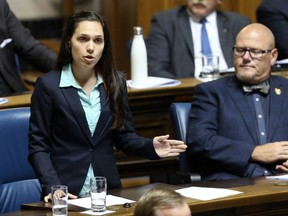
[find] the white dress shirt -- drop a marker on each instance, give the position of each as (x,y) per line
(212,30)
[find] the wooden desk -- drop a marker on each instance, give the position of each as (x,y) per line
(150,107)
(184,89)
(260,197)
(21,100)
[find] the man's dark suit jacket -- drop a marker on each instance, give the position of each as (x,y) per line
(60,144)
(170,46)
(274,15)
(222,133)
(23,45)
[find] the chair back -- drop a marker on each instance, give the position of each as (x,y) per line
(179,115)
(18,182)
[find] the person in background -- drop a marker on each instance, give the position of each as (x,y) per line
(162,202)
(174,41)
(79,112)
(16,41)
(238,124)
(273,14)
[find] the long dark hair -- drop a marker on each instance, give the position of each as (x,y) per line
(114,81)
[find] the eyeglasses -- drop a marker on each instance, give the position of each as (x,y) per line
(253,52)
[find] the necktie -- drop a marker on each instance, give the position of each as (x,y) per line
(206,49)
(262,87)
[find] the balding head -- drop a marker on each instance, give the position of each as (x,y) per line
(254,53)
(258,34)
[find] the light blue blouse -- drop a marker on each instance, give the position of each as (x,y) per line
(92,109)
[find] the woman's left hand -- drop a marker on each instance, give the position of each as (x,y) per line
(168,148)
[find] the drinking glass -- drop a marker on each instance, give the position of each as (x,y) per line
(59,195)
(98,191)
(210,66)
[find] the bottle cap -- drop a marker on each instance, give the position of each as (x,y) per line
(137,30)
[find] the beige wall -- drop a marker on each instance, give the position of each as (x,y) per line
(38,9)
(31,9)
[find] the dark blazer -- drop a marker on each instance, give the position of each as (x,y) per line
(23,45)
(274,15)
(170,46)
(222,132)
(60,145)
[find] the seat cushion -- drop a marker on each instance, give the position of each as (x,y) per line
(14,145)
(12,195)
(18,182)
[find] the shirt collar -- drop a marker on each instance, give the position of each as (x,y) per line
(211,18)
(67,78)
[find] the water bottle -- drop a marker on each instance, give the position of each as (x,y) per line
(139,66)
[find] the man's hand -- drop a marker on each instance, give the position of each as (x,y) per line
(283,167)
(271,152)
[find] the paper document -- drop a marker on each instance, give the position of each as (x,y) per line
(3,100)
(278,177)
(283,61)
(227,70)
(151,82)
(90,212)
(110,200)
(206,193)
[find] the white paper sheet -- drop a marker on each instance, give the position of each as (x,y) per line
(151,82)
(110,200)
(278,177)
(284,61)
(206,193)
(3,100)
(90,212)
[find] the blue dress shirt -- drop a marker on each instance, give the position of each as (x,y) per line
(92,109)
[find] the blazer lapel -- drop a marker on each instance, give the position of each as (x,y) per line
(185,28)
(243,106)
(277,98)
(77,110)
(224,32)
(105,118)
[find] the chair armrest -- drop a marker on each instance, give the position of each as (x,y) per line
(188,177)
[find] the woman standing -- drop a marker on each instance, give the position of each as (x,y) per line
(80,111)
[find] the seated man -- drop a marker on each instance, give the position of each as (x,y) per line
(238,124)
(162,202)
(174,41)
(16,40)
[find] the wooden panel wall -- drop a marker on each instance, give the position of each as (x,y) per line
(67,8)
(122,15)
(245,7)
